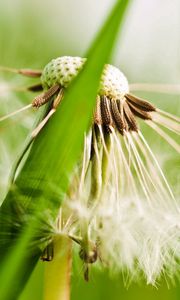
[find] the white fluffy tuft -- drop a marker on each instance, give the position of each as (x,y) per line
(136,218)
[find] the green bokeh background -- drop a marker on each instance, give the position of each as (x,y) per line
(34,32)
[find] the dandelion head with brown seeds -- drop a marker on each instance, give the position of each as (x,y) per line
(120,208)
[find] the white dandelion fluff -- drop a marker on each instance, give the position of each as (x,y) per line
(135,219)
(121,208)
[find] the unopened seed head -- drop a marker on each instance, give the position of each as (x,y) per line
(113,83)
(63,70)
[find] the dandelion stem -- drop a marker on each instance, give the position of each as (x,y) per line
(58,271)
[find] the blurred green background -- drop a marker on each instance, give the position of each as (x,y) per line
(34,32)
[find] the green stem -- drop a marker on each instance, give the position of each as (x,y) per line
(58,271)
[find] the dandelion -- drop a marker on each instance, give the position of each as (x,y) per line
(120,208)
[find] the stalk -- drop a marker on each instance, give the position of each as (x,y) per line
(58,271)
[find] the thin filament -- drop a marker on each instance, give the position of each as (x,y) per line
(164,135)
(138,157)
(15,112)
(116,177)
(157,164)
(151,166)
(84,164)
(157,88)
(127,169)
(42,124)
(139,171)
(175,118)
(123,174)
(6,69)
(166,122)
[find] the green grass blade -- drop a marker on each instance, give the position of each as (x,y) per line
(18,263)
(45,175)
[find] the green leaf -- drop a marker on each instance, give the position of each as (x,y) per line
(44,178)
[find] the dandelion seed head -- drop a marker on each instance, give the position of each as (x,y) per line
(120,206)
(113,83)
(63,70)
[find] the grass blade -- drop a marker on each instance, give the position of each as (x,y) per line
(45,175)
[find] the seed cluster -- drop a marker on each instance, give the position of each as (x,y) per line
(63,70)
(113,83)
(115,107)
(121,114)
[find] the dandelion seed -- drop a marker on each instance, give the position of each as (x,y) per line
(122,210)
